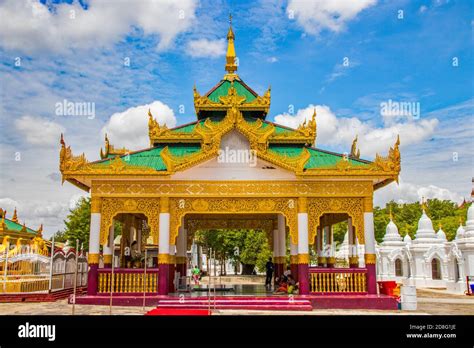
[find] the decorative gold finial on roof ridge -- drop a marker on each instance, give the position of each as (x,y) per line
(15,216)
(390,213)
(230,66)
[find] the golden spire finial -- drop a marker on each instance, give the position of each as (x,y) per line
(40,230)
(15,216)
(390,213)
(230,66)
(23,227)
(355,152)
(423,204)
(2,224)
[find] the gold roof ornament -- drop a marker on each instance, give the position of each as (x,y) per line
(355,152)
(23,227)
(390,213)
(15,216)
(230,58)
(423,204)
(40,231)
(67,161)
(3,225)
(308,130)
(110,150)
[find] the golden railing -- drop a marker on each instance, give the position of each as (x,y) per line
(128,281)
(335,280)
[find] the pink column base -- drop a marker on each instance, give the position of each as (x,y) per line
(92,279)
(294,271)
(371,279)
(163,274)
(303,277)
(171,273)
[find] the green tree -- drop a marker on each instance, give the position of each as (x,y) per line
(248,247)
(78,223)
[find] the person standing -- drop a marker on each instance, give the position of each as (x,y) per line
(269,273)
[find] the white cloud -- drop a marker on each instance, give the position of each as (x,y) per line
(130,127)
(39,131)
(315,16)
(29,25)
(36,212)
(423,9)
(272,59)
(406,192)
(206,48)
(340,132)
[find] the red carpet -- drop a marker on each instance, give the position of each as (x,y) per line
(172,311)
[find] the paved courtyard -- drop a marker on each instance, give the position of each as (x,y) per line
(430,302)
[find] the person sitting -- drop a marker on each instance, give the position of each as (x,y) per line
(282,287)
(291,285)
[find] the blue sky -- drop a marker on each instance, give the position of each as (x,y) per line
(297,47)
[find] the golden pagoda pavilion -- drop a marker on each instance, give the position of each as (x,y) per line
(15,235)
(231,168)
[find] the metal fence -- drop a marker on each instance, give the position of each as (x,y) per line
(24,270)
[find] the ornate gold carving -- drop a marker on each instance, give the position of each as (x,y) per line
(267,189)
(308,130)
(294,259)
(179,208)
(164,205)
(368,204)
(164,259)
(302,205)
(181,260)
(109,150)
(353,260)
(391,163)
(93,259)
(303,259)
(279,260)
(354,207)
(331,260)
(150,207)
(107,259)
(200,205)
(370,259)
(322,260)
(355,152)
(96,204)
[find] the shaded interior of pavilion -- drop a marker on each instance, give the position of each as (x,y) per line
(136,265)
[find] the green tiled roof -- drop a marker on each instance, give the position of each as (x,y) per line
(265,124)
(223,89)
(152,157)
(188,128)
(13,226)
(318,159)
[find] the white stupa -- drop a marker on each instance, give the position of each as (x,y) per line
(460,232)
(441,235)
(392,237)
(425,232)
(407,239)
(469,232)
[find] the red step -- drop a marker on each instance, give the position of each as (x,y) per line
(249,303)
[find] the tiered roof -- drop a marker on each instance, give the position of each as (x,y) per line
(230,105)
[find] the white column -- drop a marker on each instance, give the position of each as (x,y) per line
(369,235)
(281,235)
(293,249)
(108,248)
(181,242)
(164,234)
(276,248)
(94,236)
(326,242)
(303,233)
